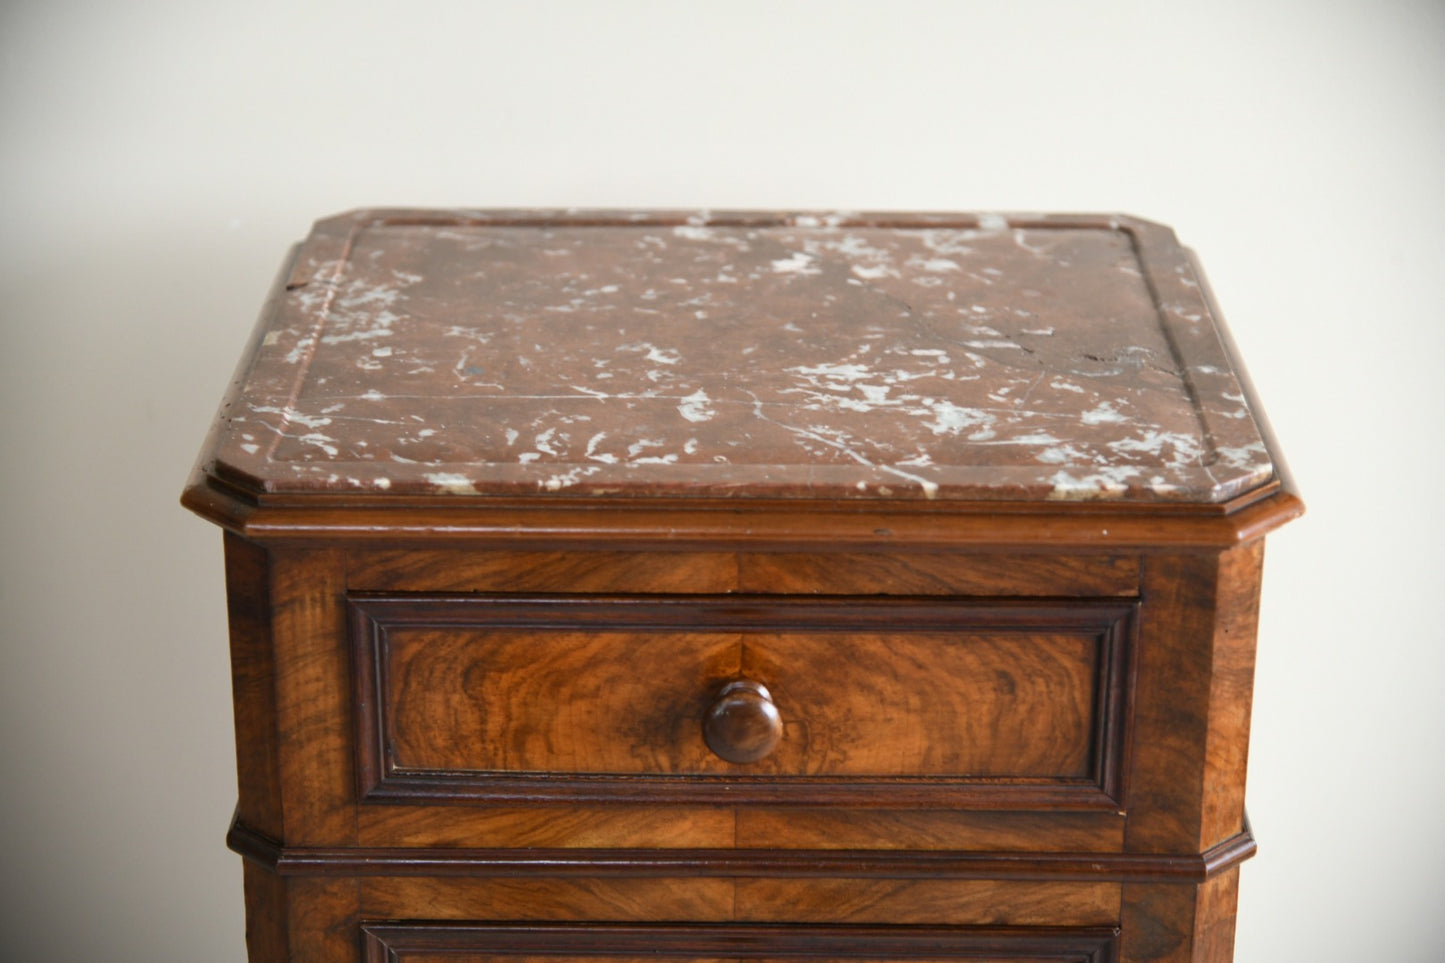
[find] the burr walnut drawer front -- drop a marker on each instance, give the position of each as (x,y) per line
(738,699)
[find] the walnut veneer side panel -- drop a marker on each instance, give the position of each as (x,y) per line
(1214,919)
(291,676)
(313,697)
(324,920)
(1190,725)
(267,914)
(1180,924)
(1231,693)
(301,920)
(253,685)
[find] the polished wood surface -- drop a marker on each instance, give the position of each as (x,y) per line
(743,723)
(973,715)
(486,697)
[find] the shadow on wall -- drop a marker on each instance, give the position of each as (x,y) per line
(115,721)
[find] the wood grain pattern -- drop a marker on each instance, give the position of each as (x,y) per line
(980,705)
(267,914)
(1180,924)
(1067,832)
(540,898)
(388,942)
(552,701)
(835,573)
(1231,693)
(1156,924)
(1214,919)
(574,825)
(439,570)
(1186,789)
(324,920)
(313,704)
(972,902)
(602,702)
(992,695)
(253,686)
(937,573)
(1165,786)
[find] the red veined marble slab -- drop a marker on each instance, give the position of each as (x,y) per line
(742,355)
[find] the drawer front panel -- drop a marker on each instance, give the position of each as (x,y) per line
(595,943)
(605,698)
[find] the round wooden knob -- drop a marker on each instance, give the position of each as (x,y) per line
(742,725)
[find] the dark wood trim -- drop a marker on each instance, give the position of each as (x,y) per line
(738,612)
(812,863)
(371,616)
(407,787)
(395,942)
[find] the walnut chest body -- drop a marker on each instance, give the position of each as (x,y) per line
(743,586)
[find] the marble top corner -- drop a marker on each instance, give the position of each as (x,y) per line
(954,357)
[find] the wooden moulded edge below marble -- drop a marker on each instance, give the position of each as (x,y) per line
(765,525)
(802,863)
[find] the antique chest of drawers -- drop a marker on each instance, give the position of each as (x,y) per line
(741,587)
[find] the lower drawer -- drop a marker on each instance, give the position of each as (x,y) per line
(410,942)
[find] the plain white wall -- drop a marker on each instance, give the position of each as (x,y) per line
(156,160)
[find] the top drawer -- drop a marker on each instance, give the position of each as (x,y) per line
(871,701)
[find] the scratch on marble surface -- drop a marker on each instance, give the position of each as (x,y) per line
(928,485)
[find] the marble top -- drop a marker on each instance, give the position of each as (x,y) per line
(742,355)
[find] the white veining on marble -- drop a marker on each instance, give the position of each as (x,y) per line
(695,407)
(895,356)
(796,263)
